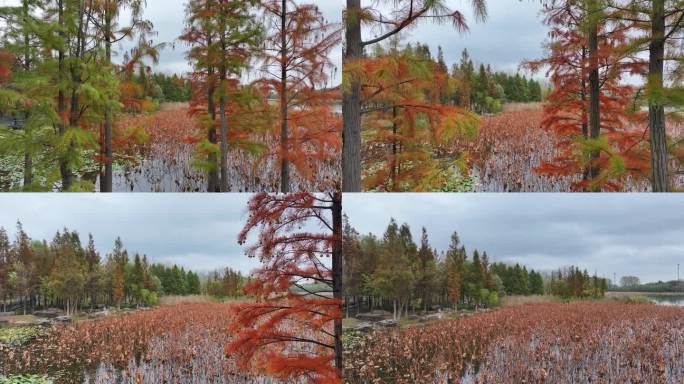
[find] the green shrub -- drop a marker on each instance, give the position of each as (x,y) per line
(484,295)
(152,299)
(493,299)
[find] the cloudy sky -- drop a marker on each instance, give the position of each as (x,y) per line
(198,231)
(168,19)
(626,234)
(512,33)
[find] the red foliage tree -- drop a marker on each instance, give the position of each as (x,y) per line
(411,137)
(605,156)
(401,15)
(296,60)
(292,330)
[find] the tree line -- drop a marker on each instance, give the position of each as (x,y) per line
(482,90)
(468,85)
(633,284)
(68,274)
(393,272)
(224,283)
(143,91)
(573,282)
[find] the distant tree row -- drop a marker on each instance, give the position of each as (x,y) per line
(467,85)
(142,91)
(67,274)
(224,283)
(517,280)
(393,272)
(484,91)
(633,284)
(572,282)
(175,280)
(173,88)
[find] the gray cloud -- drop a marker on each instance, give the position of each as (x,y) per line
(618,233)
(168,19)
(512,33)
(198,231)
(612,233)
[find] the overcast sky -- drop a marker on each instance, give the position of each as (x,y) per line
(168,19)
(198,231)
(626,234)
(513,32)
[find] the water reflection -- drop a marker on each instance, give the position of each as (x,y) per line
(677,300)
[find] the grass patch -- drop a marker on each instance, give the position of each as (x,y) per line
(513,301)
(632,299)
(349,322)
(186,299)
(14,319)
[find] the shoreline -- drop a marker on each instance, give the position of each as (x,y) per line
(636,293)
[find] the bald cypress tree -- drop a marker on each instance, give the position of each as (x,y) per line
(662,22)
(426,266)
(93,283)
(407,13)
(5,267)
(454,270)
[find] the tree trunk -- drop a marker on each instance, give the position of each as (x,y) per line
(213,175)
(351,104)
(28,168)
(394,171)
(583,97)
(224,140)
(284,164)
(28,160)
(585,122)
(76,76)
(656,109)
(594,88)
(213,182)
(106,178)
(223,75)
(337,271)
(64,169)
